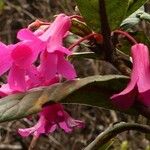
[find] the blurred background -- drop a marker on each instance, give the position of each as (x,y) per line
(16,14)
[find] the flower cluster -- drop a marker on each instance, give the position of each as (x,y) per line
(138,88)
(39,59)
(52,117)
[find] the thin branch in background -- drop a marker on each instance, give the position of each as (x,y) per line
(111,132)
(10,147)
(57,143)
(33,143)
(19,9)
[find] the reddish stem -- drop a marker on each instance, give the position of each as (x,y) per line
(81,40)
(77,17)
(126,35)
(37,24)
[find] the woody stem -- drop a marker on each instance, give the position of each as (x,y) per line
(106,32)
(111,132)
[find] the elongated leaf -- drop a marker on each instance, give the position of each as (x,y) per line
(117,10)
(94,90)
(131,21)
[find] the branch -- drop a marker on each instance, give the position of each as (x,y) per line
(111,132)
(106,32)
(33,143)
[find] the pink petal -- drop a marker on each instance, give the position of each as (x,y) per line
(26,34)
(141,58)
(5,61)
(31,40)
(58,28)
(69,123)
(22,55)
(37,46)
(139,78)
(49,128)
(144,98)
(33,79)
(26,132)
(16,78)
(124,101)
(48,66)
(5,90)
(65,127)
(39,32)
(75,123)
(36,130)
(65,68)
(56,79)
(52,46)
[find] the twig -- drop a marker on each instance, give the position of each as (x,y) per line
(10,147)
(33,143)
(51,138)
(111,132)
(21,9)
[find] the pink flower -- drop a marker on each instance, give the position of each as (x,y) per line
(139,86)
(52,117)
(18,58)
(53,58)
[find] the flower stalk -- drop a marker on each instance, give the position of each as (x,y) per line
(85,38)
(127,35)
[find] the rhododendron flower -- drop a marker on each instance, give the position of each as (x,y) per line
(139,86)
(52,117)
(53,58)
(30,84)
(19,59)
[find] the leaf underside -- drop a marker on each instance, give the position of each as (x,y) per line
(93,90)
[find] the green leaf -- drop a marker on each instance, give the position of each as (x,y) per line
(94,91)
(80,28)
(2,5)
(134,5)
(130,22)
(117,10)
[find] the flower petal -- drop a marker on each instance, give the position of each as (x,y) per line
(139,78)
(65,68)
(16,78)
(65,127)
(36,130)
(57,29)
(141,60)
(5,90)
(144,98)
(26,34)
(5,61)
(48,66)
(22,55)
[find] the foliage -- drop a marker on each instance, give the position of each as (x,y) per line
(106,30)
